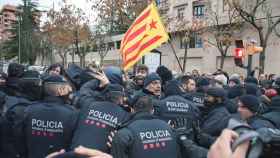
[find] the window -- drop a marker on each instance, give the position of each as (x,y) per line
(161,2)
(226,5)
(198,11)
(118,44)
(195,41)
(111,45)
(180,13)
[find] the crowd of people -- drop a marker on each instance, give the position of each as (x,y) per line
(105,113)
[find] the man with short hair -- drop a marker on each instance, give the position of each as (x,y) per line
(188,83)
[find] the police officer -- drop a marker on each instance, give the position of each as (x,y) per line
(145,135)
(174,105)
(15,72)
(248,108)
(98,119)
(215,115)
(97,81)
(48,125)
(13,114)
(195,90)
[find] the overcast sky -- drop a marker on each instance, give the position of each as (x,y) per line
(48,4)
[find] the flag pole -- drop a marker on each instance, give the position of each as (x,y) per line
(174,52)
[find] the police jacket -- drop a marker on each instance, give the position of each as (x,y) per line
(145,136)
(11,143)
(48,127)
(196,97)
(259,121)
(96,121)
(176,106)
(215,119)
(89,93)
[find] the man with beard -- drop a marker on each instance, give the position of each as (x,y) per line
(215,115)
(138,81)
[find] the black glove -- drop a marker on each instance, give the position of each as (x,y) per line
(183,128)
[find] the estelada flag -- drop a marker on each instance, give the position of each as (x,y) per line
(145,34)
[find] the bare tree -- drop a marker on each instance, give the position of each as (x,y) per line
(259,14)
(220,28)
(185,30)
(101,44)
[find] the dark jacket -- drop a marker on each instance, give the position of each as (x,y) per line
(259,121)
(196,97)
(215,119)
(274,116)
(48,126)
(89,93)
(143,136)
(141,93)
(96,121)
(175,106)
(13,116)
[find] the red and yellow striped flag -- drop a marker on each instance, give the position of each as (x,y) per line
(145,34)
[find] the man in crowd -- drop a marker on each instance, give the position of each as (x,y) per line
(146,133)
(98,119)
(49,125)
(152,88)
(215,115)
(248,108)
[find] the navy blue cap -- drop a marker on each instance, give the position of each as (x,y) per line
(54,79)
(216,92)
(114,88)
(150,78)
(251,102)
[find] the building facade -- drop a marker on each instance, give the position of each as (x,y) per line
(7,18)
(200,56)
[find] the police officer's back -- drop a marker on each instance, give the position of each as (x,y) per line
(15,72)
(13,115)
(145,135)
(49,125)
(95,83)
(174,105)
(98,119)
